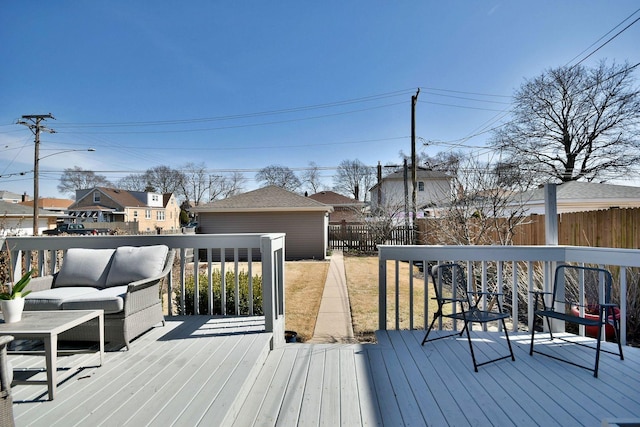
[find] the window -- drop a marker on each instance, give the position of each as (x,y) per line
(154,197)
(135,215)
(147,214)
(96,197)
(420,186)
(160,215)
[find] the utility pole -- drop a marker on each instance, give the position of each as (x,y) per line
(34,123)
(414,170)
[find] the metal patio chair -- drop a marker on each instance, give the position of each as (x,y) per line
(590,307)
(457,302)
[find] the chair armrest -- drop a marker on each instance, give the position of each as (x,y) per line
(40,283)
(150,281)
(540,292)
(610,304)
(485,293)
(453,299)
(5,339)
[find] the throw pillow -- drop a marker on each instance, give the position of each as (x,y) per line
(85,267)
(132,263)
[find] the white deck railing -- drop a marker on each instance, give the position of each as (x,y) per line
(223,251)
(511,265)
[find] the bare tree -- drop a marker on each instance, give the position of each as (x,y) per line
(133,182)
(354,178)
(481,210)
(443,161)
(311,178)
(280,176)
(76,178)
(573,123)
(221,187)
(163,179)
(195,185)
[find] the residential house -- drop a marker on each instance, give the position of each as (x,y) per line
(17,219)
(576,196)
(433,187)
(151,211)
(53,205)
(345,209)
(11,197)
(271,210)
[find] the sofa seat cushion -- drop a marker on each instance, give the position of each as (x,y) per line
(111,300)
(52,299)
(84,267)
(132,263)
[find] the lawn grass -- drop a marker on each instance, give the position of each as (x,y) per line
(303,293)
(362,284)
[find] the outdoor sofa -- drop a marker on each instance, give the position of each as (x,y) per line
(124,282)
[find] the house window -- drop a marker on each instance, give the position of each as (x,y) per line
(160,215)
(147,214)
(154,197)
(135,215)
(96,197)
(420,186)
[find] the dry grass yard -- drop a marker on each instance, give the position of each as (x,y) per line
(362,283)
(303,292)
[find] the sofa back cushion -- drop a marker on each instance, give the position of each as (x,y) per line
(85,267)
(132,263)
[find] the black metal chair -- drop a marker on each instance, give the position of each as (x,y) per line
(591,308)
(457,302)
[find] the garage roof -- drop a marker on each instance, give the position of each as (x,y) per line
(269,199)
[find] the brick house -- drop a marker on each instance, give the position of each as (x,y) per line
(345,209)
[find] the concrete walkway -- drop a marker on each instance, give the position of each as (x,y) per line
(333,324)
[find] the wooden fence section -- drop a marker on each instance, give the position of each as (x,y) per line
(360,238)
(611,228)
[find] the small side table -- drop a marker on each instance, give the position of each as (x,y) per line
(47,325)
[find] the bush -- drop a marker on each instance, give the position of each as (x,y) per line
(203,294)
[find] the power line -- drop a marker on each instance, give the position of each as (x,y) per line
(606,42)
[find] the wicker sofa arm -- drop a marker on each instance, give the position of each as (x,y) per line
(150,281)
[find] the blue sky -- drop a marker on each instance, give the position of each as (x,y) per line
(244,85)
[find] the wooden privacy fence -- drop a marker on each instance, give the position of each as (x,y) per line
(610,228)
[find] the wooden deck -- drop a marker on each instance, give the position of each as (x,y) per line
(199,371)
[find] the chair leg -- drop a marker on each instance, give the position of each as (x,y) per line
(616,330)
(473,355)
(595,369)
(506,334)
(435,317)
(533,332)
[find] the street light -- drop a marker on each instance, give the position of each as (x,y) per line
(36,184)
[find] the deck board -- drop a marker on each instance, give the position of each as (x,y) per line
(198,371)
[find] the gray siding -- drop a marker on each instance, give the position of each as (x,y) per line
(305,230)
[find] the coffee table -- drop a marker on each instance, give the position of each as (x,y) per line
(47,325)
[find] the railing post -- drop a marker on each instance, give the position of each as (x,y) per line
(273,278)
(382,294)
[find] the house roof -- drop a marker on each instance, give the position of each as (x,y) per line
(267,199)
(122,198)
(334,199)
(9,195)
(50,203)
(577,196)
(9,209)
(576,190)
(421,174)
